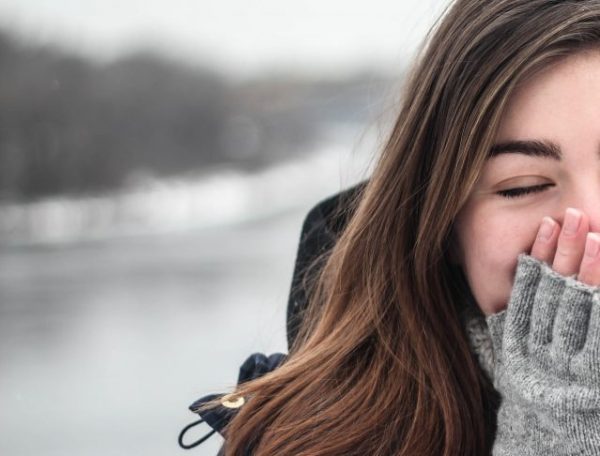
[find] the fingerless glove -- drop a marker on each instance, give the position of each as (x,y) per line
(546,348)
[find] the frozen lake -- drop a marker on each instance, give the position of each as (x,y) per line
(105,344)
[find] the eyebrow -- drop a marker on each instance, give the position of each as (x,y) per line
(534,148)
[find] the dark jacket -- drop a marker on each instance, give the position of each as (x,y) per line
(320,230)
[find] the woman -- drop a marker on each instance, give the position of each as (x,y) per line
(471,231)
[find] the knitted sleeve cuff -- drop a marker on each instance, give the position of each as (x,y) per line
(551,323)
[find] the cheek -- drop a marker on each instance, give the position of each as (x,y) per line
(490,244)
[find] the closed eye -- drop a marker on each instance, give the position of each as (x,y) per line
(522,191)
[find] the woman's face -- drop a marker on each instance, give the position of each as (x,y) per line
(549,143)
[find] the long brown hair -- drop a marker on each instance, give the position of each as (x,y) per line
(382,365)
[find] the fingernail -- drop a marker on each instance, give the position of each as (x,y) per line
(572,221)
(546,229)
(592,245)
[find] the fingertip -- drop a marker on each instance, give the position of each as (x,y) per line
(544,245)
(589,272)
(547,229)
(592,245)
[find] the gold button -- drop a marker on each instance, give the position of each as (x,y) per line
(232,401)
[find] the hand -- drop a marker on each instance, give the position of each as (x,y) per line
(570,250)
(547,347)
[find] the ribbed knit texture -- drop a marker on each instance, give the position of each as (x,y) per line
(478,335)
(546,364)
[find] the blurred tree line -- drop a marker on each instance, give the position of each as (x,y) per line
(68,125)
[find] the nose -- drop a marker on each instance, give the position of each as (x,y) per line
(587,201)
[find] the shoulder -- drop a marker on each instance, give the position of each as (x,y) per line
(320,230)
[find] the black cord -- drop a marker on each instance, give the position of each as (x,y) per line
(198,442)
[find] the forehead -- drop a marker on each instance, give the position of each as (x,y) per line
(559,103)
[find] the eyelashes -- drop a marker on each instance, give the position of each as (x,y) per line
(522,191)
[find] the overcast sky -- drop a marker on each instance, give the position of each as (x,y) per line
(245,37)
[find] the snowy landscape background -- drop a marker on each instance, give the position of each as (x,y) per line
(151,204)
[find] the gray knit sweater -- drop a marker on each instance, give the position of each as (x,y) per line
(543,355)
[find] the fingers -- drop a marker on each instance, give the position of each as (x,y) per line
(571,243)
(570,250)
